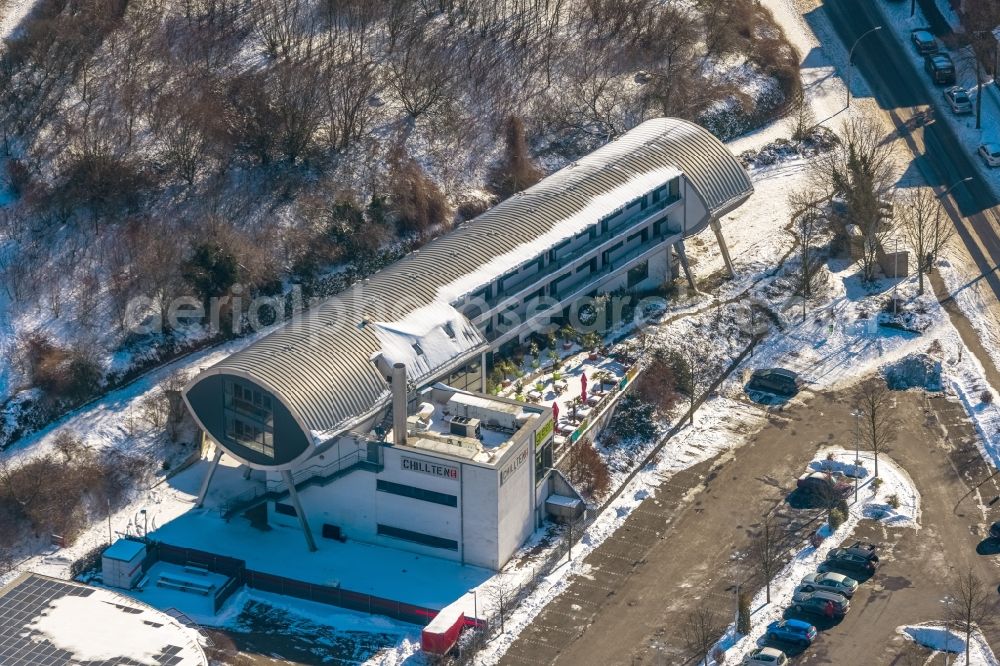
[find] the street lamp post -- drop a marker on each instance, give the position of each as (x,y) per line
(895,276)
(850,61)
(857,451)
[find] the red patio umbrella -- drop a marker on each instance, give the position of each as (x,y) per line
(583,387)
(555,412)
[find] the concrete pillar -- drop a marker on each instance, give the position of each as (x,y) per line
(482,372)
(208,477)
(294,496)
(682,255)
(671,267)
(717,228)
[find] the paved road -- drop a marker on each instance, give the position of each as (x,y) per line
(905,93)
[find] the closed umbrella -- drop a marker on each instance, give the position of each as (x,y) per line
(555,412)
(583,388)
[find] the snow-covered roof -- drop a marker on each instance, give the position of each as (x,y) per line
(320,365)
(55,622)
(124,550)
(427,339)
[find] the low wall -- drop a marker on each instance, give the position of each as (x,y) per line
(240,575)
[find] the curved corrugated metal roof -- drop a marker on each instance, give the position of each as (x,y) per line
(319,364)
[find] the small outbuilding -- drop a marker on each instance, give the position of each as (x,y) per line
(121,563)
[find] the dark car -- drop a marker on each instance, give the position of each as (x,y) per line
(827,604)
(792,631)
(855,558)
(924,42)
(774,380)
(941,68)
(823,483)
(995,530)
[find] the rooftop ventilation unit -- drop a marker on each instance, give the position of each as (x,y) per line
(464,426)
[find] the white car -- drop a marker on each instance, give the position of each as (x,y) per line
(990,152)
(766,657)
(958,99)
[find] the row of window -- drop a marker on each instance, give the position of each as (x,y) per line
(660,197)
(250,435)
(249,401)
(416,493)
(417,537)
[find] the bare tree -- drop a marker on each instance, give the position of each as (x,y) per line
(802,115)
(501,595)
(765,552)
(926,230)
(701,630)
(807,225)
(421,72)
(970,607)
(874,403)
(862,170)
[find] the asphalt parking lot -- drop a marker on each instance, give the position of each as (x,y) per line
(677,550)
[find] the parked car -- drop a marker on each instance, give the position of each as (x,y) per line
(958,99)
(854,558)
(941,68)
(827,604)
(990,152)
(797,632)
(822,482)
(924,42)
(995,530)
(829,582)
(767,656)
(774,380)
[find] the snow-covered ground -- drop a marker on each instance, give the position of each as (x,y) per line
(940,638)
(873,503)
(826,357)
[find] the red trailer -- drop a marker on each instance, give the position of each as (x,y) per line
(440,636)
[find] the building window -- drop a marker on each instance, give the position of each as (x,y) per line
(249,417)
(416,493)
(284,509)
(417,537)
(675,188)
(250,435)
(638,274)
(248,401)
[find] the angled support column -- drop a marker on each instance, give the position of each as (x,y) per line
(679,246)
(208,477)
(293,494)
(717,228)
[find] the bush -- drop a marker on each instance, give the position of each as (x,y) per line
(876,484)
(657,385)
(517,172)
(70,374)
(414,198)
(587,470)
(893,501)
(986,397)
(837,518)
(633,420)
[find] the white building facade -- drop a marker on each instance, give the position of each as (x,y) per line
(311,405)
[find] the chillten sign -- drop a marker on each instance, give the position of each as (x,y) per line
(428,467)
